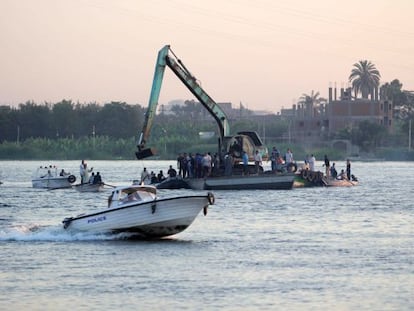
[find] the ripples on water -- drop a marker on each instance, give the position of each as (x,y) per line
(304,249)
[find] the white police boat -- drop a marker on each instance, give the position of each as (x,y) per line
(137,210)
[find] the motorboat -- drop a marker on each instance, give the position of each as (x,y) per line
(137,210)
(89,187)
(48,177)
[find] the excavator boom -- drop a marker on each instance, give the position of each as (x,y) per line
(165,59)
(152,106)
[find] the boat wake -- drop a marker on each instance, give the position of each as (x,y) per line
(34,232)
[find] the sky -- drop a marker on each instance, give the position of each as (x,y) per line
(264,54)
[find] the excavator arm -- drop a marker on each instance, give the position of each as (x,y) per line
(152,106)
(166,59)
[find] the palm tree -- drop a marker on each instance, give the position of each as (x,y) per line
(311,101)
(313,98)
(365,78)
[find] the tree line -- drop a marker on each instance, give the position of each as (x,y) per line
(69,120)
(68,130)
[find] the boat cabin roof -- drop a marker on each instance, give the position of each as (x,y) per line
(132,193)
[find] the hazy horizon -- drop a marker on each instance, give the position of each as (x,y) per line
(264,54)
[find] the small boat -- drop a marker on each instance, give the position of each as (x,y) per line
(88,187)
(137,210)
(49,178)
(332,182)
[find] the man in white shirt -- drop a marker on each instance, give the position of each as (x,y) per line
(289,156)
(257,161)
(312,161)
(145,177)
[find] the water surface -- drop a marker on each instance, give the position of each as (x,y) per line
(300,249)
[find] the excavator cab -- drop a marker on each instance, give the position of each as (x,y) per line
(247,141)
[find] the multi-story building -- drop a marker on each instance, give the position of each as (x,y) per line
(315,122)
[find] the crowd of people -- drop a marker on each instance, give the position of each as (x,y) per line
(200,165)
(205,165)
(188,166)
(197,165)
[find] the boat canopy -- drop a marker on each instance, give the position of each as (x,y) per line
(133,193)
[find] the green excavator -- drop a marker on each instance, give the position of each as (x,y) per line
(248,141)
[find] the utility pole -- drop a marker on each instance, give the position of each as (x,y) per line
(93,136)
(18,135)
(409,135)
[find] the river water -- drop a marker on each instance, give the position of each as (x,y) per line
(300,249)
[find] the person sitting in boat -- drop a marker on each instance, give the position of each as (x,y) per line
(97,179)
(333,171)
(49,174)
(160,176)
(92,178)
(63,173)
(172,172)
(342,175)
(154,179)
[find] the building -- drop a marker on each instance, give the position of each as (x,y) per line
(321,121)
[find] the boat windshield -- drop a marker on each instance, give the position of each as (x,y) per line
(128,196)
(43,172)
(145,196)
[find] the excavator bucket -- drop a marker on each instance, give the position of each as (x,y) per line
(145,153)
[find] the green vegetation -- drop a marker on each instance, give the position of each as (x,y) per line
(101,147)
(68,130)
